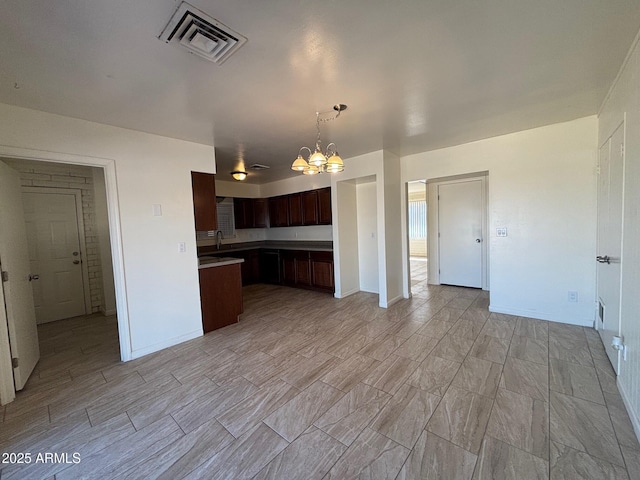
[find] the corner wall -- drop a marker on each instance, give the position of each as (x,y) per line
(543,189)
(624,99)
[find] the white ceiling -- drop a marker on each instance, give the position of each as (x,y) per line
(416,75)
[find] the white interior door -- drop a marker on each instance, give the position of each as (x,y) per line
(54,250)
(14,258)
(460,208)
(610,198)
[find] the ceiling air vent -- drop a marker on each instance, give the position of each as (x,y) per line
(258,166)
(201,34)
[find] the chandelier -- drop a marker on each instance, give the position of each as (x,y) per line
(318,162)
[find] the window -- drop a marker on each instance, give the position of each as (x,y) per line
(226,222)
(417,219)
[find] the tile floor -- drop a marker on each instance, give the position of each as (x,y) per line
(311,387)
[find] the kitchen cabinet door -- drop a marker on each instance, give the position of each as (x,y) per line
(310,207)
(260,213)
(220,296)
(204,201)
(295,210)
(243,212)
(288,268)
(324,206)
(303,269)
(322,270)
(279,211)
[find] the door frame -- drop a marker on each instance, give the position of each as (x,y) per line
(115,229)
(433,248)
(77,193)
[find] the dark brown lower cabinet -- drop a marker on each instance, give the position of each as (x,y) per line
(322,270)
(294,268)
(220,296)
(306,269)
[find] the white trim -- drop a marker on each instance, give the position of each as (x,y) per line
(77,193)
(115,233)
(633,415)
(395,299)
(108,313)
(550,317)
(346,294)
(166,344)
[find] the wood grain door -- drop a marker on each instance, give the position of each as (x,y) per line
(204,201)
(310,207)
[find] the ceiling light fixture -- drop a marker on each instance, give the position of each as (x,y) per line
(318,162)
(239,175)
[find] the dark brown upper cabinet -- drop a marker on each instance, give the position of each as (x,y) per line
(260,213)
(251,212)
(295,210)
(324,206)
(204,201)
(310,207)
(279,211)
(243,212)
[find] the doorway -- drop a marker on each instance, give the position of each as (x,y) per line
(417,231)
(64,213)
(609,267)
(457,227)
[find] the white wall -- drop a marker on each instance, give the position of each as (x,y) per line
(394,239)
(543,189)
(161,305)
(361,168)
(299,183)
(236,189)
(624,98)
(367,225)
(345,238)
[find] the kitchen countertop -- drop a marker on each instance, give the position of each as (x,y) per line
(317,246)
(207,262)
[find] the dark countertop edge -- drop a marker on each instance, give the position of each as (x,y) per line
(312,246)
(203,263)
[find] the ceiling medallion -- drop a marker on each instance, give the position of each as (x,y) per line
(318,162)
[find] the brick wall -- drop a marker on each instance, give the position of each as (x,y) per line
(55,175)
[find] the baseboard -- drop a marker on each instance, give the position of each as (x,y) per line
(392,301)
(633,415)
(108,313)
(345,294)
(169,343)
(538,315)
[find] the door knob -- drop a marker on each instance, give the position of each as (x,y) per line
(478,240)
(76,262)
(603,259)
(34,277)
(75,254)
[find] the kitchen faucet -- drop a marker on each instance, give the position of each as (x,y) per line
(219,237)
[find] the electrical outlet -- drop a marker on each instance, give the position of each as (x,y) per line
(572,296)
(182,247)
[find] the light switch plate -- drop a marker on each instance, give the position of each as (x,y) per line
(501,232)
(157,210)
